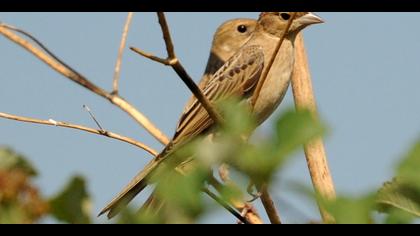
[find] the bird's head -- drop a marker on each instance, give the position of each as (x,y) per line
(276,22)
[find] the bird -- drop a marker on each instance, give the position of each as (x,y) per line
(237,76)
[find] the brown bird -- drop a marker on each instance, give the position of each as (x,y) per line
(239,75)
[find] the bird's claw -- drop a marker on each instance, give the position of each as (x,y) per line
(255,195)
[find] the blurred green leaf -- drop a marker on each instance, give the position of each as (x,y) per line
(12,214)
(130,216)
(262,160)
(72,204)
(295,128)
(408,170)
(239,120)
(399,195)
(182,195)
(11,160)
(400,198)
(230,192)
(351,210)
(398,216)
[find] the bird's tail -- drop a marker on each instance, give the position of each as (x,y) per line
(152,205)
(136,185)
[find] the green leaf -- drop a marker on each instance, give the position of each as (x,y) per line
(72,204)
(399,195)
(11,160)
(295,128)
(238,118)
(131,216)
(351,210)
(13,214)
(398,216)
(408,170)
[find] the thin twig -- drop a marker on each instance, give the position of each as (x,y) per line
(314,150)
(249,212)
(174,62)
(120,53)
(270,63)
(55,63)
(269,206)
(150,56)
(265,197)
(82,128)
(93,117)
(226,206)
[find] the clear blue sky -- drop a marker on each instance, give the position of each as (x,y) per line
(365,69)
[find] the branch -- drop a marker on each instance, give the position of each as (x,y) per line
(62,68)
(247,210)
(120,53)
(314,150)
(266,199)
(174,62)
(269,206)
(151,56)
(272,59)
(82,128)
(226,206)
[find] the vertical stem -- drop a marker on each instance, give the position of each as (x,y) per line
(314,150)
(120,53)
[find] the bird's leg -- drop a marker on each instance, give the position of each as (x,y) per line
(250,190)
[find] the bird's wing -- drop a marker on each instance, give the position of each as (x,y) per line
(238,75)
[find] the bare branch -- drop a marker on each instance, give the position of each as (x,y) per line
(269,206)
(82,128)
(166,35)
(272,59)
(226,206)
(246,209)
(150,56)
(65,70)
(93,117)
(182,73)
(314,150)
(265,197)
(120,53)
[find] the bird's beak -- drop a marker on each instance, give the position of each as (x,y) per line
(310,19)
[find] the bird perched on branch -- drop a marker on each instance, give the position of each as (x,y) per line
(241,52)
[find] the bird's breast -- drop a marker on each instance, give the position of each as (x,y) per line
(277,81)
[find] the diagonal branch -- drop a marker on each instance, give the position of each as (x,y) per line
(56,64)
(227,206)
(268,203)
(246,208)
(271,62)
(80,127)
(174,62)
(266,199)
(120,53)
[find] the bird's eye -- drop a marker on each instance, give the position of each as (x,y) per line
(285,16)
(242,28)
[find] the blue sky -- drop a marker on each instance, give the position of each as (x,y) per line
(365,69)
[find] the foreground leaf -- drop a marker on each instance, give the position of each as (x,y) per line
(11,160)
(399,195)
(72,204)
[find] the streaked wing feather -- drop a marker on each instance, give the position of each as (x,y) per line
(238,75)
